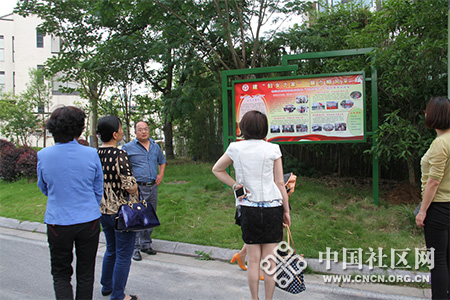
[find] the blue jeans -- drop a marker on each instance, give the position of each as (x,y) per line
(117,259)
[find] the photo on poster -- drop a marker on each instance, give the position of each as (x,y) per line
(275,129)
(303,109)
(355,95)
(301,99)
(301,127)
(317,127)
(332,105)
(289,108)
(340,126)
(328,127)
(288,128)
(346,104)
(318,106)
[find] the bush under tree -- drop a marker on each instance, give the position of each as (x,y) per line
(17,162)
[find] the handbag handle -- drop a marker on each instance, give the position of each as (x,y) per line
(290,239)
(140,198)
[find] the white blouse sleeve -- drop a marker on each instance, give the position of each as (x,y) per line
(231,151)
(276,151)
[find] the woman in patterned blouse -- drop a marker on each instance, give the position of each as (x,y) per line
(119,183)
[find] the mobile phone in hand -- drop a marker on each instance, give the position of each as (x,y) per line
(240,192)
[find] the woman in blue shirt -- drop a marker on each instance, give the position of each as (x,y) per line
(71,176)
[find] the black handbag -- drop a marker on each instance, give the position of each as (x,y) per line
(289,276)
(136,216)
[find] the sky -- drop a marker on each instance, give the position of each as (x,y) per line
(7,6)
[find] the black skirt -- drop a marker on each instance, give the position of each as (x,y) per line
(262,225)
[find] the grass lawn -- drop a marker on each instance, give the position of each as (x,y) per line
(195,207)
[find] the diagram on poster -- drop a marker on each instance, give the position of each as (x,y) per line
(328,108)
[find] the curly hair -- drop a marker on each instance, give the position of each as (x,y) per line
(66,123)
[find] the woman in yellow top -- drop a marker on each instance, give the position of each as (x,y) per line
(434,214)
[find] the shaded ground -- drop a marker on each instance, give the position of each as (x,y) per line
(403,193)
(392,192)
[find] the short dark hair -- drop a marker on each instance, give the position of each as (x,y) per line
(66,123)
(106,126)
(254,125)
(438,113)
(140,122)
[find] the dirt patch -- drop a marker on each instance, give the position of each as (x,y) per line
(177,182)
(403,193)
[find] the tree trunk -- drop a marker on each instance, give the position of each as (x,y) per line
(94,103)
(411,173)
(168,138)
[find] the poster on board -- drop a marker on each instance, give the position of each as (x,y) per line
(323,108)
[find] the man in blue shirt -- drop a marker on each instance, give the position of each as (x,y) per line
(146,159)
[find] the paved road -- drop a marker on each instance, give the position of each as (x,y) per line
(25,275)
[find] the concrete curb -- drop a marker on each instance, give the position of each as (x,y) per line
(223,254)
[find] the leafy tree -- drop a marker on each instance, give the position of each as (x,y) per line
(411,53)
(18,118)
(198,113)
(411,58)
(119,104)
(77,24)
(221,30)
(399,139)
(39,93)
(181,35)
(20,114)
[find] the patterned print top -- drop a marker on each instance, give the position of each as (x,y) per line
(117,177)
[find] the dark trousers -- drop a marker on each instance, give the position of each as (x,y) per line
(437,236)
(61,240)
(144,237)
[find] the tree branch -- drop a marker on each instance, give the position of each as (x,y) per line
(196,32)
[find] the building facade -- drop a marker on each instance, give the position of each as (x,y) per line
(23,48)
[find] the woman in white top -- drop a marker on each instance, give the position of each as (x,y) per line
(265,206)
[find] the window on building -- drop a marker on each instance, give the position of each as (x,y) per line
(39,40)
(60,88)
(322,8)
(13,50)
(2,80)
(2,48)
(40,67)
(56,44)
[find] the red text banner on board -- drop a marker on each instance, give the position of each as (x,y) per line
(328,108)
